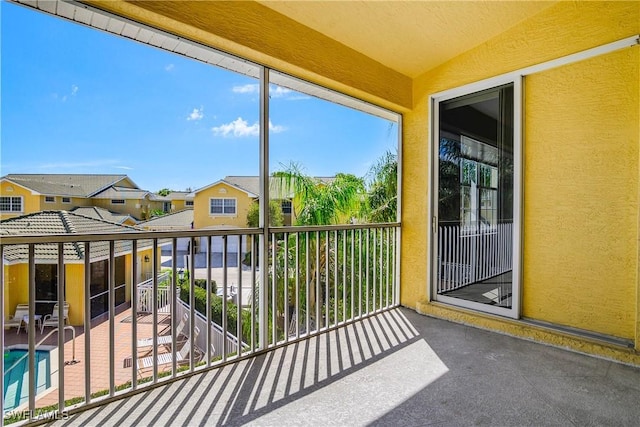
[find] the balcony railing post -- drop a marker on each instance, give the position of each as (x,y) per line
(264,206)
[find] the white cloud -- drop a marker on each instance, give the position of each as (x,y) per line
(276,128)
(74,90)
(240,128)
(123,167)
(169,67)
(237,128)
(196,114)
(278,91)
(249,88)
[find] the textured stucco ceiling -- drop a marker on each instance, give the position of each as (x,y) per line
(409,36)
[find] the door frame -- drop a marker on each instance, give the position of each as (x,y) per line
(434,143)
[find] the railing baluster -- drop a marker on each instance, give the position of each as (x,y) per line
(112,313)
(344,275)
(224,301)
(238,305)
(307,280)
(352,281)
(359,273)
(61,331)
(336,259)
(254,245)
(274,263)
(207,351)
(32,331)
(318,323)
(173,309)
(87,324)
(297,303)
(285,302)
(192,303)
(367,274)
(327,284)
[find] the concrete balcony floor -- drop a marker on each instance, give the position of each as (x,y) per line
(396,368)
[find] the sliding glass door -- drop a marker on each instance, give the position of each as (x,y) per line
(477,177)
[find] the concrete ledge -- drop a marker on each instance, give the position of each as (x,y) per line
(531,332)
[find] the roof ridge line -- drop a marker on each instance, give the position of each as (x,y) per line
(68,225)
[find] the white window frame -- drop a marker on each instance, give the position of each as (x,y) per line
(224,199)
(517,81)
(66,200)
(119,202)
(49,199)
(188,203)
(11,204)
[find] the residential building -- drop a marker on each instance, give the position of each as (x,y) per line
(16,264)
(177,201)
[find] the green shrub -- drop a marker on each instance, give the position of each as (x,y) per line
(200,296)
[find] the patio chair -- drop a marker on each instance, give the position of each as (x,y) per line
(182,356)
(165,339)
(22,310)
(52,319)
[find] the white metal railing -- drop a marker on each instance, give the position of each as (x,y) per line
(465,257)
(144,294)
(299,282)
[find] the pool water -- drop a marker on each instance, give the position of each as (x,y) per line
(16,381)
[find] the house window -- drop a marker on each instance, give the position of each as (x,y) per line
(286,207)
(66,200)
(117,201)
(220,206)
(11,204)
(188,203)
(49,199)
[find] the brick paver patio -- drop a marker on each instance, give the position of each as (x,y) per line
(74,373)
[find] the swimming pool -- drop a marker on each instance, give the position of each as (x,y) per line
(16,381)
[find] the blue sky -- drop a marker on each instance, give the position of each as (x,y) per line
(77,100)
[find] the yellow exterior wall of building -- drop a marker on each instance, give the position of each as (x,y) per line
(74,292)
(57,205)
(16,291)
(581,138)
(30,202)
(201,216)
(139,209)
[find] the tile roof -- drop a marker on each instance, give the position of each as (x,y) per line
(180,195)
(62,222)
(78,185)
(175,221)
(124,193)
(102,213)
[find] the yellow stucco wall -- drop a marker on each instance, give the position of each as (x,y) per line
(16,291)
(30,202)
(138,209)
(74,292)
(201,216)
(581,132)
(57,205)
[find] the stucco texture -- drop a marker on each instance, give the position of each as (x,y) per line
(581,137)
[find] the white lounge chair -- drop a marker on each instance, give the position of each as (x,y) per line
(22,310)
(52,319)
(165,339)
(182,355)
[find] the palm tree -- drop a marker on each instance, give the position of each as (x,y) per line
(383,189)
(316,201)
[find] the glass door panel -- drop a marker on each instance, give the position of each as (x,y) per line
(475,200)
